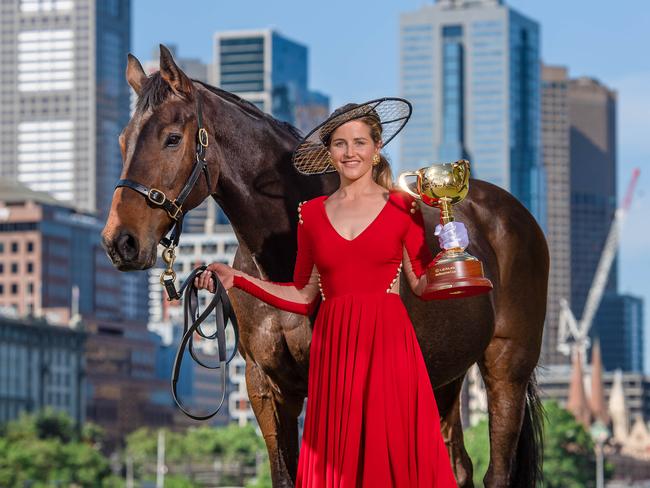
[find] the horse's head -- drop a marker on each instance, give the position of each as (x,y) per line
(158,147)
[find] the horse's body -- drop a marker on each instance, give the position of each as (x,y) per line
(258,189)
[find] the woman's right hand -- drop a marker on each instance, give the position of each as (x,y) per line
(225,273)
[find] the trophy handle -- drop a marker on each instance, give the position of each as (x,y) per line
(404,186)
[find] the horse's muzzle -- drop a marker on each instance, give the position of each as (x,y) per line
(124,252)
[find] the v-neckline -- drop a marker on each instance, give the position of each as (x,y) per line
(365,228)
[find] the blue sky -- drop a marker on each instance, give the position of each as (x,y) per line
(354,56)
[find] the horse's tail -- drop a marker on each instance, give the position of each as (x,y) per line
(530,448)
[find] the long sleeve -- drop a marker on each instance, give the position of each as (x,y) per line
(417,253)
(299,296)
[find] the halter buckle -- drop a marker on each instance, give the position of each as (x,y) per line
(203,137)
(173,210)
(156,197)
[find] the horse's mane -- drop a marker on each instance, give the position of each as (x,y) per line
(155,90)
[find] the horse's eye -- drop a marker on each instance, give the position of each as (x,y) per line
(173,140)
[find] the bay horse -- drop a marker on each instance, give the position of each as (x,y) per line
(253,181)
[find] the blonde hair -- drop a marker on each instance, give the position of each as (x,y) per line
(381,172)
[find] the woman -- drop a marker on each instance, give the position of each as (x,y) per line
(371,417)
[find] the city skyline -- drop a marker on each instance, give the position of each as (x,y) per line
(553,110)
(339,64)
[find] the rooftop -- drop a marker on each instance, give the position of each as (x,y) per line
(15,192)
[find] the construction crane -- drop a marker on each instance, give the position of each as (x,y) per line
(574,335)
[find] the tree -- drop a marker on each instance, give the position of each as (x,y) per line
(45,449)
(568,450)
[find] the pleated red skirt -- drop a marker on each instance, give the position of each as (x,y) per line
(372,418)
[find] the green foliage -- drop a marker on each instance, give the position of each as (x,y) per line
(478,447)
(263,478)
(235,448)
(240,444)
(568,450)
(45,449)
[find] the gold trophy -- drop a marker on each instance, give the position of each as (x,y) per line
(454,273)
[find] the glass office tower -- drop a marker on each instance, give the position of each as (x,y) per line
(472,71)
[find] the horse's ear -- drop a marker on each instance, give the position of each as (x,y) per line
(135,75)
(173,75)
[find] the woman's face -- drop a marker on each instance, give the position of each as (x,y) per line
(352,149)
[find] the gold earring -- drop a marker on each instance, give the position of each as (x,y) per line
(375,160)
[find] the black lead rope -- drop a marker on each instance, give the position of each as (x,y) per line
(222,307)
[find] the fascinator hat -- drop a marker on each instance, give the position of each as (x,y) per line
(312,157)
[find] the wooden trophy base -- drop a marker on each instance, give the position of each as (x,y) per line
(455,274)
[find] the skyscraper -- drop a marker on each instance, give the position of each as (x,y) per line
(556,157)
(579,147)
(619,326)
(471,69)
(270,71)
(592,112)
(63,96)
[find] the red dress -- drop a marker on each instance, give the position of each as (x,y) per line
(371,418)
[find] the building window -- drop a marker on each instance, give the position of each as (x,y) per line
(2,289)
(2,268)
(30,267)
(45,157)
(14,247)
(2,247)
(30,288)
(45,5)
(30,246)
(45,60)
(14,268)
(453,134)
(14,288)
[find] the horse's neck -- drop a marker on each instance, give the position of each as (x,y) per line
(258,188)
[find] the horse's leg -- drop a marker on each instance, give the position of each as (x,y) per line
(514,422)
(278,419)
(448,399)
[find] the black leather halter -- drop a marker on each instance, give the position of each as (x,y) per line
(174,208)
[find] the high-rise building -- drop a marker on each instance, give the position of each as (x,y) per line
(592,114)
(619,327)
(471,69)
(579,148)
(270,71)
(556,157)
(63,96)
(41,366)
(124,393)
